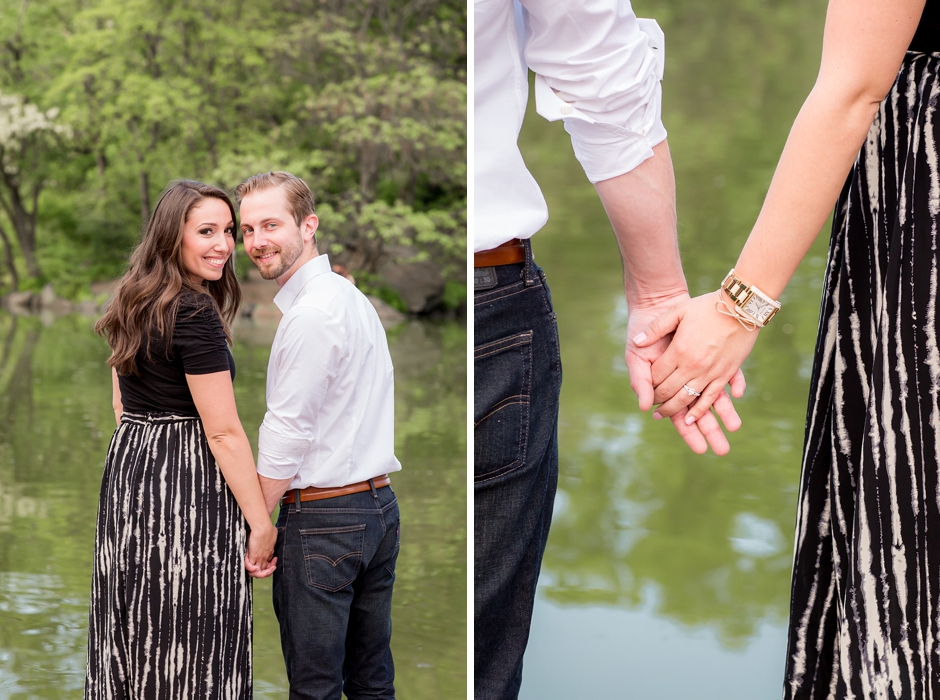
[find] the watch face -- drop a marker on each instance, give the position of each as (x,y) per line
(758,308)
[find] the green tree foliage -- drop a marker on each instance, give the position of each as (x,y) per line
(366,100)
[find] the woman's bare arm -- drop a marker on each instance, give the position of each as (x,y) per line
(215,401)
(863,46)
(116,402)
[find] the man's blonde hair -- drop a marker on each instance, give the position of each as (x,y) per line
(299,196)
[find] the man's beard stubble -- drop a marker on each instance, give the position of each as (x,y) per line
(288,256)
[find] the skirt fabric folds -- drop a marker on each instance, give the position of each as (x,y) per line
(865,597)
(171,601)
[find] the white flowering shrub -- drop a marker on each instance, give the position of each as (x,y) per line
(19,122)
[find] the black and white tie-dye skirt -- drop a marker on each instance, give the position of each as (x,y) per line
(171,601)
(865,598)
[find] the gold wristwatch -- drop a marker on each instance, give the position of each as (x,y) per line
(756,306)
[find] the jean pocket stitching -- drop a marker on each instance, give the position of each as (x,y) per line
(505,403)
(333,562)
(511,431)
(498,292)
(391,569)
(332,573)
(495,346)
(482,300)
(333,530)
(477,355)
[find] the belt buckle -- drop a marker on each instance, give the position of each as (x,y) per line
(484,278)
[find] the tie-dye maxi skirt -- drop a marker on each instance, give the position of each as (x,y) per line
(171,602)
(865,597)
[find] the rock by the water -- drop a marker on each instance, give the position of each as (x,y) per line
(21,302)
(420,283)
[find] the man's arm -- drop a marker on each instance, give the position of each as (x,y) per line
(641,205)
(272,490)
(599,68)
(307,350)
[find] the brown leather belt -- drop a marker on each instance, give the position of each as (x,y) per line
(506,254)
(315,493)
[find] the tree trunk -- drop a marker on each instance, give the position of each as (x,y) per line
(101,163)
(24,226)
(8,258)
(24,222)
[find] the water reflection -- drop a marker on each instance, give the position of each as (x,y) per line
(697,548)
(55,424)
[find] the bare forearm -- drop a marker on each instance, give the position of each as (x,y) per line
(641,206)
(863,47)
(273,490)
(823,144)
(233,455)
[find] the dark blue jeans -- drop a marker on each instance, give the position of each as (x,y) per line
(333,594)
(517,380)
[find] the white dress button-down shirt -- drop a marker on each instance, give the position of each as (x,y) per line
(597,67)
(330,417)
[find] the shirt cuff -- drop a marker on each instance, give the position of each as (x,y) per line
(611,144)
(280,457)
(606,151)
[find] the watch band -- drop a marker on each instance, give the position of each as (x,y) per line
(756,306)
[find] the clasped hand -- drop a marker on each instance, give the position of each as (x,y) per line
(690,345)
(260,561)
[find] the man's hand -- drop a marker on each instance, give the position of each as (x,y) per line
(705,431)
(641,206)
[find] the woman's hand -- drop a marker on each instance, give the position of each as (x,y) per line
(260,561)
(705,354)
(640,359)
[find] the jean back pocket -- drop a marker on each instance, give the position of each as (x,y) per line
(332,555)
(502,378)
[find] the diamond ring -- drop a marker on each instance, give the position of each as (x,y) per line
(692,392)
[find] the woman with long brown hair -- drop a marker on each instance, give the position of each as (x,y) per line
(171,598)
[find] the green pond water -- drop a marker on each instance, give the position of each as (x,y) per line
(55,425)
(667,573)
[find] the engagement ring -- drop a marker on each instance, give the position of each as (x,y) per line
(692,392)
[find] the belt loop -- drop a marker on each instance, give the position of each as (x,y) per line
(372,488)
(296,500)
(528,270)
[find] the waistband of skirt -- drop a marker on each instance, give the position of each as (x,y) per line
(151,417)
(913,54)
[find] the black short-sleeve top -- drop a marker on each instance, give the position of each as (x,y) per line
(927,37)
(198,346)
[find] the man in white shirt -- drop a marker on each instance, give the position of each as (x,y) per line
(599,68)
(326,447)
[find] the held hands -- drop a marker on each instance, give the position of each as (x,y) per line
(705,353)
(260,561)
(652,324)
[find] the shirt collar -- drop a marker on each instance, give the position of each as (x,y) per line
(285,298)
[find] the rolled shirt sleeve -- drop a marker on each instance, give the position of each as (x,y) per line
(308,351)
(599,68)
